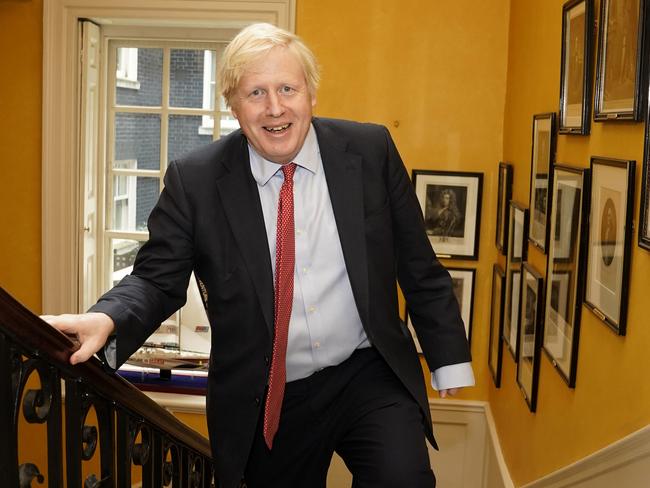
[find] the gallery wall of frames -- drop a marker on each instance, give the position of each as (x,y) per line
(566,352)
(579,217)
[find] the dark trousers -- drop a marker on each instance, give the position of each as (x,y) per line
(358,409)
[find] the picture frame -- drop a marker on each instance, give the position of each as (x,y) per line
(517,254)
(575,70)
(463,281)
(620,70)
(564,282)
(530,334)
(504,194)
(610,237)
(644,204)
(495,349)
(451,205)
(541,165)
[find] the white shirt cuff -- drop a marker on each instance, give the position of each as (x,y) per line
(452,376)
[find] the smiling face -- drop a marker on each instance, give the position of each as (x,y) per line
(274,106)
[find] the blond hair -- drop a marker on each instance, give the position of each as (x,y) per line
(253,42)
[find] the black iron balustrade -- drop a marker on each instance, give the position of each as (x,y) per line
(132,428)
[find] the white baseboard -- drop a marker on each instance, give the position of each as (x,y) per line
(623,464)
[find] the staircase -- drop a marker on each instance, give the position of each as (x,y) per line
(130,429)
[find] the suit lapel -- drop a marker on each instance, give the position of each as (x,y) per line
(241,204)
(343,172)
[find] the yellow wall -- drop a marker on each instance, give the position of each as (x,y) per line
(612,393)
(21,35)
(439,70)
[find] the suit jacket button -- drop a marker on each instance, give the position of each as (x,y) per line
(266,359)
(257,401)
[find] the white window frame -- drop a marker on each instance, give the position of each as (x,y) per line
(62,222)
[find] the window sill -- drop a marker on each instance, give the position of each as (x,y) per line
(127,83)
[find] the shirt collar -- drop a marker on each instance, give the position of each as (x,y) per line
(263,169)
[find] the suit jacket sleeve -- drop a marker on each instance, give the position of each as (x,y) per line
(157,287)
(425,282)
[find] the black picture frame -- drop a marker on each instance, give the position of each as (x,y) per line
(495,349)
(504,194)
(619,95)
(517,254)
(463,283)
(575,70)
(644,203)
(610,239)
(451,205)
(564,276)
(530,334)
(541,166)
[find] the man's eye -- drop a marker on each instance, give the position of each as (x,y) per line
(286,89)
(256,93)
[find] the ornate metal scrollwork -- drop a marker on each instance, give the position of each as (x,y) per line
(89,441)
(170,466)
(194,471)
(140,451)
(92,482)
(27,472)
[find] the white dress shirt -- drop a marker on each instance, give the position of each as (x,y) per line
(325,326)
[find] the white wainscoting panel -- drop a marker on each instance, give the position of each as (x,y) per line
(469,455)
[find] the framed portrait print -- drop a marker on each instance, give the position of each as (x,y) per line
(563,288)
(504,193)
(575,72)
(530,334)
(451,205)
(540,178)
(462,280)
(619,95)
(644,211)
(495,350)
(610,236)
(518,228)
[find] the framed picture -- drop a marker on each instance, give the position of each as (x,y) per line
(565,268)
(610,236)
(644,211)
(620,67)
(451,205)
(540,178)
(530,334)
(462,280)
(504,193)
(495,350)
(575,71)
(518,228)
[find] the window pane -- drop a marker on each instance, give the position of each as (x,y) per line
(123,254)
(192,78)
(133,199)
(228,124)
(139,77)
(186,132)
(137,138)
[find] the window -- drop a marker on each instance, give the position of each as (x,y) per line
(228,123)
(71,168)
(127,68)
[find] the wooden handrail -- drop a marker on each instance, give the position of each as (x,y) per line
(23,331)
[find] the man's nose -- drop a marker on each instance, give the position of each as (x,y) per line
(274,107)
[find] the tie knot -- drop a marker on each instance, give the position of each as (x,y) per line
(288,170)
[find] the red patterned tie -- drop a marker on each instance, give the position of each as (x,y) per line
(284,268)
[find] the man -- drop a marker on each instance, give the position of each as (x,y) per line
(298,227)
